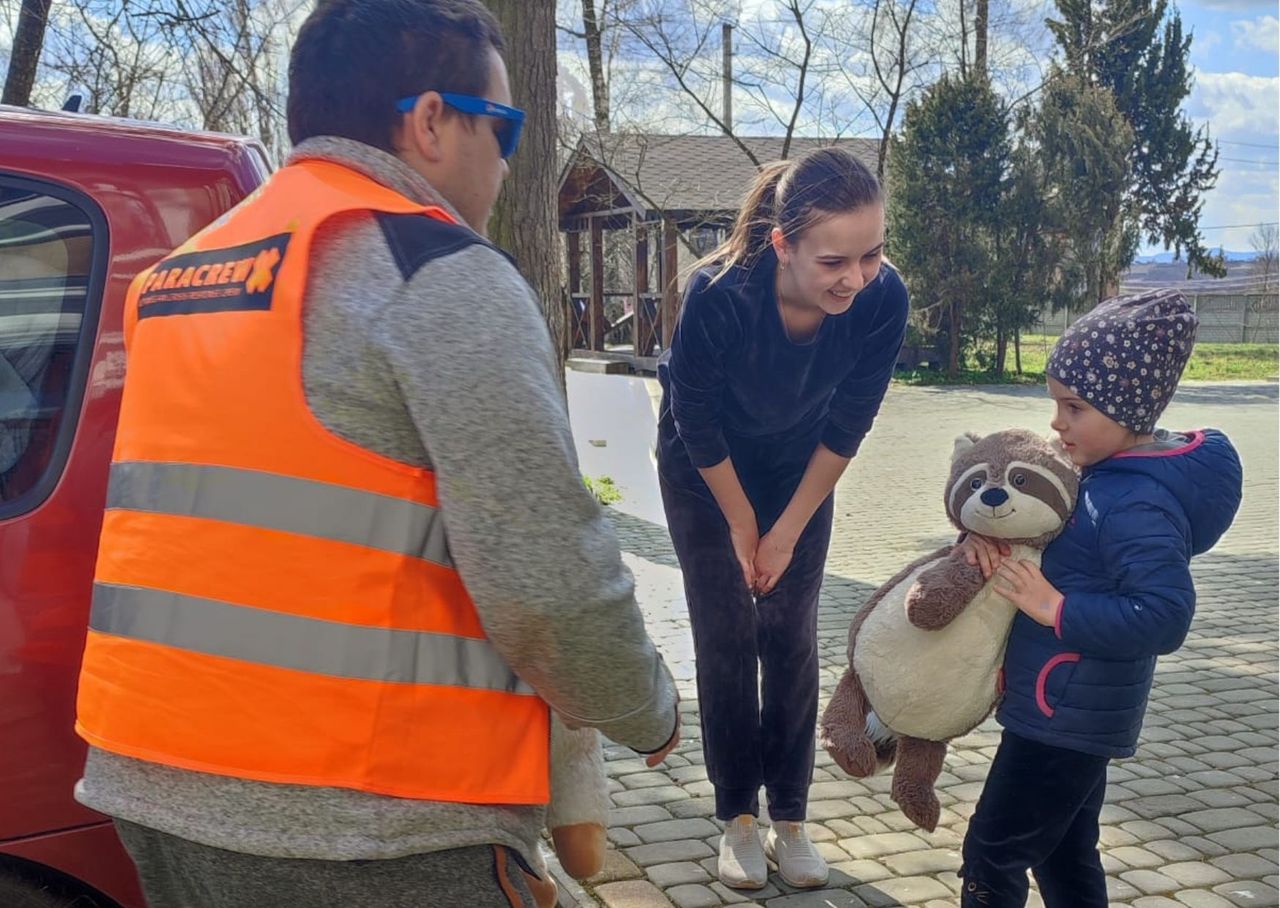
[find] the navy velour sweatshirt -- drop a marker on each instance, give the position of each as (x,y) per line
(732,375)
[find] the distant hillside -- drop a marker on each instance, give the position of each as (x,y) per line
(1164,258)
(1146,274)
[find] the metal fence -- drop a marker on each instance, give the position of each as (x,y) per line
(1232,318)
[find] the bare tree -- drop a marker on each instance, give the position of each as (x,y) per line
(980,37)
(524,220)
(1266,243)
(892,46)
(777,71)
(28,41)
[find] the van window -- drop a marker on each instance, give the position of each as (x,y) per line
(52,258)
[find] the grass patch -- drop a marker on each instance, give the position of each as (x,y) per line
(604,488)
(1209,362)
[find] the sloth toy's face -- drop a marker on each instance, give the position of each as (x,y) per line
(1010,485)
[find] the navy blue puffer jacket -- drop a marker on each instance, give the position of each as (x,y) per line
(1123,565)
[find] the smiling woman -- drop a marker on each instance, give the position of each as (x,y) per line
(785,345)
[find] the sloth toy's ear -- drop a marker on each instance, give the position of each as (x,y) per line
(963,443)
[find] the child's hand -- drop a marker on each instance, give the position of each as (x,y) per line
(1022,584)
(983,552)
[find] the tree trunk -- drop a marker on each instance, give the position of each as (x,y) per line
(1002,351)
(1017,351)
(953,358)
(595,63)
(525,221)
(28,41)
(980,39)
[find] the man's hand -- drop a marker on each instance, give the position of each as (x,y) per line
(652,760)
(1022,584)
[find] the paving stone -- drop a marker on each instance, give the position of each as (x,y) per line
(1220,819)
(669,852)
(1248,839)
(665,876)
(1253,893)
(1119,890)
(617,866)
(644,780)
(693,896)
(1135,858)
(818,898)
(1199,898)
(921,863)
(1195,874)
(692,807)
(662,795)
(1219,797)
(623,837)
(853,873)
(734,897)
(632,894)
(1173,850)
(634,816)
(1150,882)
(672,830)
(1245,866)
(1163,806)
(873,846)
(1156,901)
(891,893)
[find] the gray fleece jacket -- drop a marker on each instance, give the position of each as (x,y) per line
(450,367)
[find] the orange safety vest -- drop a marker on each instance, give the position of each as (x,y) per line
(271,601)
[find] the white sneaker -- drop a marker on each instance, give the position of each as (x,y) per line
(741,864)
(799,863)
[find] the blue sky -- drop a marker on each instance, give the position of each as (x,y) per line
(1237,93)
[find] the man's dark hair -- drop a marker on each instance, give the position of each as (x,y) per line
(354,58)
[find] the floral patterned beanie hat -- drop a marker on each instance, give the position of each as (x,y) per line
(1125,357)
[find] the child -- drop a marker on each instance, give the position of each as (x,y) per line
(1114,591)
(783,352)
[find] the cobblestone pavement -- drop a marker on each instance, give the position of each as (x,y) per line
(1190,821)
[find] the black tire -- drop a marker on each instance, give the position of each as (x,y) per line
(28,891)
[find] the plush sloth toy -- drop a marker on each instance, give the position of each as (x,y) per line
(579,810)
(925,651)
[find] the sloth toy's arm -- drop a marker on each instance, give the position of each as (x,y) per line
(942,592)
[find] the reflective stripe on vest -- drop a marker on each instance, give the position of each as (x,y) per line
(303,644)
(271,601)
(282,503)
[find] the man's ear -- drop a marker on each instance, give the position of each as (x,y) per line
(422,129)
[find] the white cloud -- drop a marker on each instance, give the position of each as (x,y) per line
(1238,6)
(1236,105)
(1239,108)
(1262,33)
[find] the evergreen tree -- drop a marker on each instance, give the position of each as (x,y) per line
(1136,50)
(946,173)
(1084,149)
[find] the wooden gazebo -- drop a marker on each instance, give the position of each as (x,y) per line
(676,196)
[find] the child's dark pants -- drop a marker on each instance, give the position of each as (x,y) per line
(1038,812)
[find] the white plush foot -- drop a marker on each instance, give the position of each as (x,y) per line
(799,863)
(742,864)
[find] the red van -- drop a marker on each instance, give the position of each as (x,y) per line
(85,204)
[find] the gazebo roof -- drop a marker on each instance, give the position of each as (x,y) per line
(690,177)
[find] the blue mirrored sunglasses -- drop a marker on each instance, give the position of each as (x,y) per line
(511,118)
